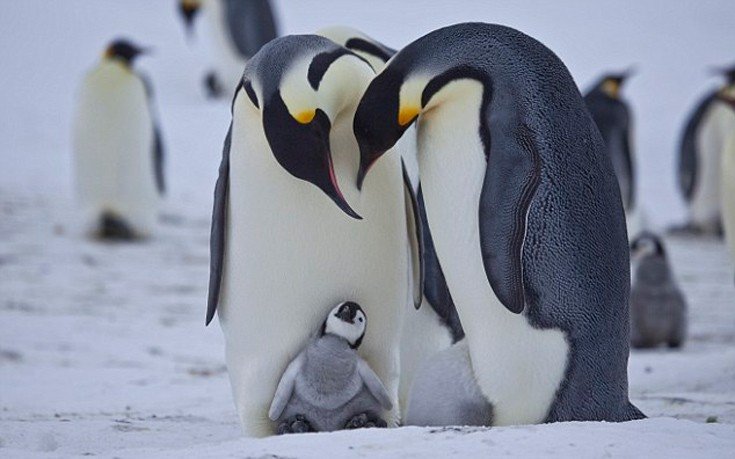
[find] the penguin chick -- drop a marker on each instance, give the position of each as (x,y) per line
(328,386)
(445,392)
(657,305)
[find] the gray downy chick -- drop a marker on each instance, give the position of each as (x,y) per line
(328,386)
(445,392)
(657,305)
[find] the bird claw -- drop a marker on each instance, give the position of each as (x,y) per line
(365,420)
(295,424)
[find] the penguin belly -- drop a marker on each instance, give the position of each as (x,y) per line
(518,368)
(292,254)
(113,145)
(718,124)
(728,193)
(445,392)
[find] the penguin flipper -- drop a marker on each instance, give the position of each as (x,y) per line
(374,384)
(436,289)
(158,155)
(687,166)
(285,387)
(250,24)
(217,236)
(511,179)
(415,238)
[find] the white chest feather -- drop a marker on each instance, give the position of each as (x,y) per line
(518,368)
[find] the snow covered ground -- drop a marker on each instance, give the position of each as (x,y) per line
(102,346)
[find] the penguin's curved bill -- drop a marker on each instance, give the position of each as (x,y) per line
(367,160)
(336,194)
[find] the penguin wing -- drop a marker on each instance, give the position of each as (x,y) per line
(285,387)
(250,24)
(688,148)
(217,236)
(158,152)
(435,284)
(374,384)
(512,176)
(415,237)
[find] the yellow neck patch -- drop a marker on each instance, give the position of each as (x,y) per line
(611,88)
(407,114)
(305,117)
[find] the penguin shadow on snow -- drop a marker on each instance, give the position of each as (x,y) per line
(658,309)
(328,386)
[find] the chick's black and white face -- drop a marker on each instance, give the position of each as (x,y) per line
(347,320)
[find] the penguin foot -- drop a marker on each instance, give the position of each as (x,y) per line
(365,420)
(295,424)
(212,86)
(113,227)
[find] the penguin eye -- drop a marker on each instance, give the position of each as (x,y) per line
(360,319)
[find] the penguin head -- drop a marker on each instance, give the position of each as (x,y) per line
(611,83)
(124,51)
(303,84)
(347,320)
(647,244)
(188,10)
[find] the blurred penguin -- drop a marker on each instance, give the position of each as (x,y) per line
(657,305)
(613,118)
(703,143)
(118,151)
(728,195)
(239,28)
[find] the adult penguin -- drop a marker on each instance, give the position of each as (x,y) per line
(612,115)
(291,234)
(700,156)
(118,152)
(429,329)
(239,28)
(526,216)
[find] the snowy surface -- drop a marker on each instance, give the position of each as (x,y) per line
(102,346)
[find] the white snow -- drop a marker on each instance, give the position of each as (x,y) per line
(103,350)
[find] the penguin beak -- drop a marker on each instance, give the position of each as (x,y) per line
(368,157)
(301,147)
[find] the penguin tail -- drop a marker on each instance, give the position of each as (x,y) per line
(634,413)
(115,228)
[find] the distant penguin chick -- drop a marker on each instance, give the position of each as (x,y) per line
(118,152)
(657,305)
(328,386)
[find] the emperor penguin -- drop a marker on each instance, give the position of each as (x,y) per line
(328,386)
(612,115)
(118,152)
(728,195)
(657,305)
(526,216)
(292,234)
(431,329)
(238,28)
(703,142)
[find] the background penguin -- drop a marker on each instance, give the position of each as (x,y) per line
(657,306)
(445,392)
(118,153)
(428,329)
(613,118)
(239,28)
(526,216)
(728,195)
(285,242)
(700,156)
(328,386)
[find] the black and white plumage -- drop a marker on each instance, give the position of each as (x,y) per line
(706,136)
(657,306)
(526,216)
(239,28)
(612,115)
(328,386)
(292,234)
(118,151)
